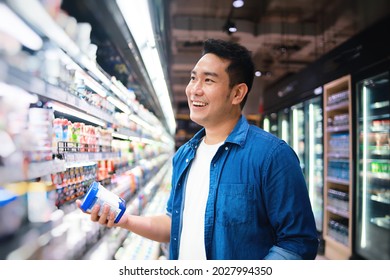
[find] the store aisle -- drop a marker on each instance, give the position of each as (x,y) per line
(136,247)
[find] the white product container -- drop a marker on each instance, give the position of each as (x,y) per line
(97,194)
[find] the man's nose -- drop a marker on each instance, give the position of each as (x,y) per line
(197,88)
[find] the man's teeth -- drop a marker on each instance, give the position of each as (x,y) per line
(198,103)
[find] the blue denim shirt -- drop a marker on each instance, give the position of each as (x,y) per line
(258,205)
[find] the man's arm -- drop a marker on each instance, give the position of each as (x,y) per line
(157,228)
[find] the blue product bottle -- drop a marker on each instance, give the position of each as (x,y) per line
(97,194)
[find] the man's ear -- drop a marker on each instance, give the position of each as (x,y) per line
(239,92)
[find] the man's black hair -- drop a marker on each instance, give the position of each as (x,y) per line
(241,68)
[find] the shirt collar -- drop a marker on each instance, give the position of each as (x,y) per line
(237,136)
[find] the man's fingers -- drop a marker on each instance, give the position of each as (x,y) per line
(95,213)
(107,217)
(111,220)
(104,216)
(78,203)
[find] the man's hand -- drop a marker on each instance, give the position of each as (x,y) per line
(106,218)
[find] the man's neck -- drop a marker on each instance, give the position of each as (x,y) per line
(219,133)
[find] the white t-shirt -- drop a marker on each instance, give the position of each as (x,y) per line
(197,191)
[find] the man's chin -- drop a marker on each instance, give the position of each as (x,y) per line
(196,119)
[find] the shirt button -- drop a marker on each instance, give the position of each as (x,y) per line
(215,164)
(175,238)
(226,148)
(186,159)
(176,212)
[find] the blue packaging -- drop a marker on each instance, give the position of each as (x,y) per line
(97,194)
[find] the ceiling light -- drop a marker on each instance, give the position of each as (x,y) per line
(230,27)
(263,73)
(138,18)
(238,3)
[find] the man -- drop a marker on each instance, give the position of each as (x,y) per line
(237,191)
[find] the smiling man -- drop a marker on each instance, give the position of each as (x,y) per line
(238,192)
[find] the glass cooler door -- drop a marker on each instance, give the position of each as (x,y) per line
(297,118)
(314,157)
(270,123)
(373,168)
(284,124)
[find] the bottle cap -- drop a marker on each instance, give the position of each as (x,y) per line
(90,197)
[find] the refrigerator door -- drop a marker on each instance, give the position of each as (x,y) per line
(270,123)
(297,117)
(284,125)
(373,168)
(314,157)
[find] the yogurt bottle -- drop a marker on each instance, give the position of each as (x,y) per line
(97,194)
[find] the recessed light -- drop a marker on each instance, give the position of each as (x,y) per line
(238,3)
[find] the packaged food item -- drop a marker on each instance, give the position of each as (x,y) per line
(41,201)
(97,194)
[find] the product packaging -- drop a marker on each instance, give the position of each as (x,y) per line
(97,194)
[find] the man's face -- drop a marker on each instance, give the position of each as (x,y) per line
(208,92)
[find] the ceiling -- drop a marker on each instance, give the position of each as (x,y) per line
(284,36)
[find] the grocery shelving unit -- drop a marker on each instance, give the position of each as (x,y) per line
(338,168)
(116,142)
(372,195)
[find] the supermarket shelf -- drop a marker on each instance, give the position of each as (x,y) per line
(42,22)
(335,250)
(339,212)
(32,171)
(382,222)
(44,25)
(45,90)
(337,181)
(339,106)
(86,94)
(339,128)
(339,155)
(377,198)
(116,242)
(378,175)
(71,157)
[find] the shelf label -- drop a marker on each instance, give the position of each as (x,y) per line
(39,169)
